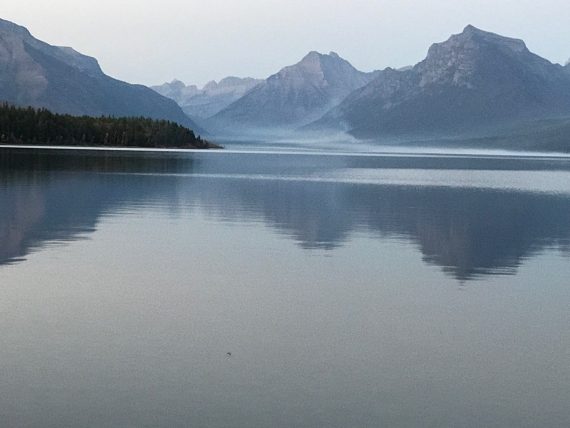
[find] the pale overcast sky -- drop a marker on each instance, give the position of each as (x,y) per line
(148,41)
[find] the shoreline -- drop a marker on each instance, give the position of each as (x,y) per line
(428,152)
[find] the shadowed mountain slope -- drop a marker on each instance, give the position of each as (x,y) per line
(34,73)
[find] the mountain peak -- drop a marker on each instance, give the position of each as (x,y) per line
(472,35)
(472,29)
(10,27)
(461,57)
(15,37)
(320,69)
(297,94)
(177,84)
(311,57)
(314,56)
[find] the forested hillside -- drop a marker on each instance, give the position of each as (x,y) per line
(29,126)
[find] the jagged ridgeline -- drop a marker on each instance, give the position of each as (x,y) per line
(30,126)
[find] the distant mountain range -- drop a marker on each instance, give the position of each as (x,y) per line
(474,80)
(295,96)
(34,73)
(476,86)
(206,102)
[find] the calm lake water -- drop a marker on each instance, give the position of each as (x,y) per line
(351,291)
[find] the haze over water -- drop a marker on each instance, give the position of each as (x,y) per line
(385,290)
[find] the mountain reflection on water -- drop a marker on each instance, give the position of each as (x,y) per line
(53,196)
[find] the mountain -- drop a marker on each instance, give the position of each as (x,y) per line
(206,102)
(34,73)
(296,95)
(474,80)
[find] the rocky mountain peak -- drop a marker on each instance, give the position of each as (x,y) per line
(177,84)
(229,82)
(311,63)
(321,70)
(473,40)
(316,60)
(464,55)
(10,27)
(77,60)
(16,38)
(313,55)
(475,35)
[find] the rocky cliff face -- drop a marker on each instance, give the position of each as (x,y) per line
(297,94)
(473,79)
(206,102)
(33,73)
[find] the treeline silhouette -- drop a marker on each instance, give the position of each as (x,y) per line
(30,126)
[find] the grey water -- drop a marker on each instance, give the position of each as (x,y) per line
(283,290)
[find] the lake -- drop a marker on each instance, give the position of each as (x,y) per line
(228,289)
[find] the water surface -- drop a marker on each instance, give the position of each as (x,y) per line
(371,290)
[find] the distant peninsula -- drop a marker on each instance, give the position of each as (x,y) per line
(41,127)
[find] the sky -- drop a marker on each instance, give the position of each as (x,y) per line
(151,42)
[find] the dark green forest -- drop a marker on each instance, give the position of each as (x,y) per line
(30,126)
